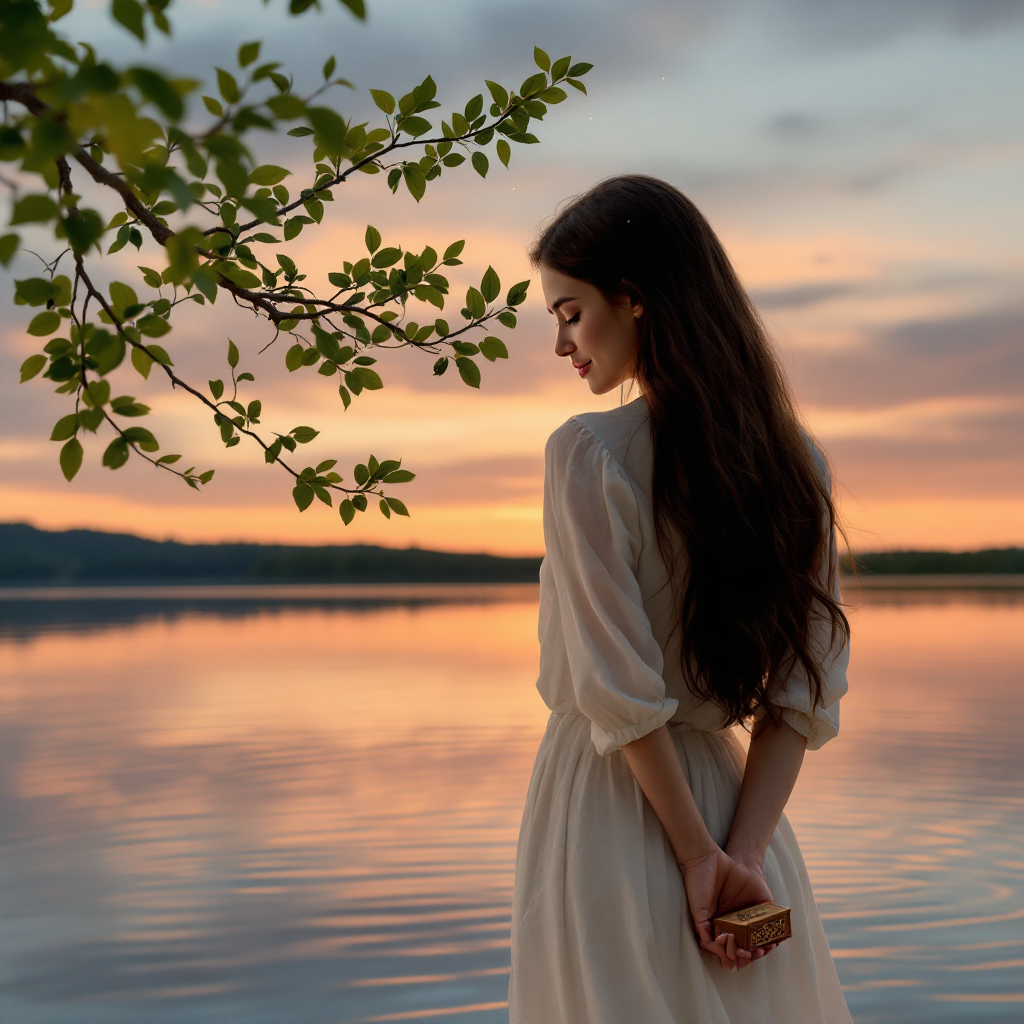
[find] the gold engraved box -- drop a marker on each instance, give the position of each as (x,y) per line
(755,926)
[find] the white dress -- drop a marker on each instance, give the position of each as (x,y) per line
(601,933)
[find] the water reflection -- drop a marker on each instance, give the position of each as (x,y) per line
(272,813)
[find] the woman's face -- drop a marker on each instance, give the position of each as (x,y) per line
(601,337)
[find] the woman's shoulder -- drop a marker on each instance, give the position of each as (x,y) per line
(614,430)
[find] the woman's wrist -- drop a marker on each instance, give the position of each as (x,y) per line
(748,855)
(697,852)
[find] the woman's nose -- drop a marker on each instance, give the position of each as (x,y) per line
(563,345)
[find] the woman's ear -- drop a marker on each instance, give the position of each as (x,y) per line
(630,299)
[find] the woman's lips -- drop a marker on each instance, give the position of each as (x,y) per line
(583,368)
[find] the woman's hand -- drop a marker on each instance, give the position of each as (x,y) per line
(754,863)
(716,884)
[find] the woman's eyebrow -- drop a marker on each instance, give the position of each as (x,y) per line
(559,302)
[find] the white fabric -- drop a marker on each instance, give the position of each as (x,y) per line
(601,933)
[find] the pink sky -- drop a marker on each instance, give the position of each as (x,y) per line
(867,190)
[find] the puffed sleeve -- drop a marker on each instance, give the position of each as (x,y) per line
(592,541)
(793,697)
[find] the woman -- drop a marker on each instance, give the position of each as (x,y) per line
(690,584)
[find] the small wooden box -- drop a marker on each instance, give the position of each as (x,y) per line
(755,926)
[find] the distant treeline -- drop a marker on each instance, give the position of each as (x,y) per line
(31,556)
(916,563)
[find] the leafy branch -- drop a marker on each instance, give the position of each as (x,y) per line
(129,130)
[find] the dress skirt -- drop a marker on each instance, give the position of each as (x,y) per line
(601,933)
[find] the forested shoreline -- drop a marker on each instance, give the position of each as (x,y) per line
(32,556)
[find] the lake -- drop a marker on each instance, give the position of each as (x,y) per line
(301,806)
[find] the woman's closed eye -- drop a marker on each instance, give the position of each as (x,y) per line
(572,320)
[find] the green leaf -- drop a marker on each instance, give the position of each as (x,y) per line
(33,291)
(216,389)
(97,393)
(507,318)
(504,151)
(468,371)
(303,434)
(366,377)
(232,353)
(552,95)
(329,65)
(372,238)
(517,294)
(142,437)
(34,209)
(293,226)
(160,354)
(116,454)
(303,495)
(347,511)
(83,229)
(141,362)
(384,509)
(440,366)
(493,348)
(498,94)
(71,458)
(414,126)
(248,53)
(480,164)
(387,257)
(44,323)
(579,69)
(559,68)
(130,14)
(360,502)
(166,460)
(454,249)
(475,303)
(541,59)
(533,85)
(357,7)
(213,106)
(8,247)
(397,506)
(384,100)
(153,326)
(91,419)
(490,285)
(159,91)
(228,86)
(399,476)
(65,427)
(329,127)
(268,174)
(293,357)
(415,180)
(121,297)
(31,367)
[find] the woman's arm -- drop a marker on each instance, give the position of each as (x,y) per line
(714,882)
(773,763)
(656,767)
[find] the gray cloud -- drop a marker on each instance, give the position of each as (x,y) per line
(979,354)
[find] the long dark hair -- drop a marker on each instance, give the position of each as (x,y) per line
(738,497)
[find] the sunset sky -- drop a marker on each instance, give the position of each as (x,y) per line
(862,161)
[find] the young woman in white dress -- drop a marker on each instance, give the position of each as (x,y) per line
(689,585)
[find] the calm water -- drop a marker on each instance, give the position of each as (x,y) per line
(280,812)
